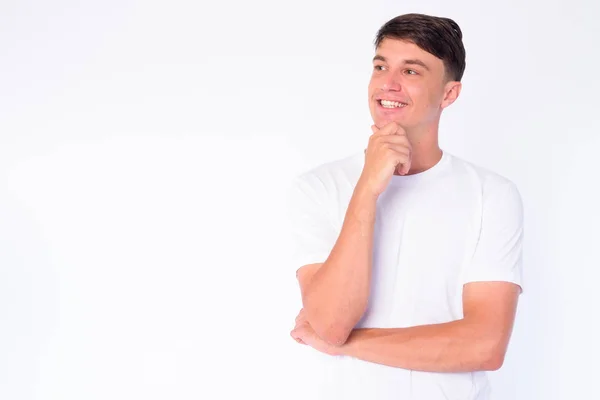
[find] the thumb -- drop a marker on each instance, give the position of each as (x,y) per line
(374,128)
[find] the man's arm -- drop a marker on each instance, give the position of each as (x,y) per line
(335,293)
(477,342)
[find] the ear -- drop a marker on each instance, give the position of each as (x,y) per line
(451,93)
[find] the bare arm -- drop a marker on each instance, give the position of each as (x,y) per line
(477,342)
(335,293)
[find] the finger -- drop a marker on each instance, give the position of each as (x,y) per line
(374,129)
(389,129)
(296,338)
(401,151)
(395,139)
(300,323)
(405,167)
(400,131)
(296,333)
(402,158)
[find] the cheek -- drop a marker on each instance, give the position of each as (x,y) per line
(426,98)
(377,82)
(372,87)
(418,95)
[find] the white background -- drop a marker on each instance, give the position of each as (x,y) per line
(145,149)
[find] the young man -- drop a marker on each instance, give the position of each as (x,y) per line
(409,257)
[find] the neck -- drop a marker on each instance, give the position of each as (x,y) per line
(426,151)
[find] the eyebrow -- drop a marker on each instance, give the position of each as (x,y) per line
(409,62)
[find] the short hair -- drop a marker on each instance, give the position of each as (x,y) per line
(439,36)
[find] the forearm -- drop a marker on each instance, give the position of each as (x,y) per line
(449,347)
(337,295)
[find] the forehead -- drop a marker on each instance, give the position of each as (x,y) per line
(396,50)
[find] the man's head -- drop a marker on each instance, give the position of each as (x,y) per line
(417,69)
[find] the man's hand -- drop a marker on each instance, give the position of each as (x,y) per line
(303,333)
(388,151)
(300,319)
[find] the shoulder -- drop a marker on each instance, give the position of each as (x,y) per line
(329,175)
(487,180)
(498,194)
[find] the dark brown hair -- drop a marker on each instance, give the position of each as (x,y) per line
(439,36)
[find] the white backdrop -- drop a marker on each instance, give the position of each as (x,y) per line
(145,149)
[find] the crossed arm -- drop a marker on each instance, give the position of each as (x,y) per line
(335,295)
(476,342)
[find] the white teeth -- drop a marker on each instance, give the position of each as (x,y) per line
(391,104)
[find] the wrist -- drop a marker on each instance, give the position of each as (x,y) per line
(363,204)
(364,191)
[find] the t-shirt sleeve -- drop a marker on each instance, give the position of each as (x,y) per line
(498,255)
(312,232)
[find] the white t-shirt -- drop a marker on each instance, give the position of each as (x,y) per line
(434,231)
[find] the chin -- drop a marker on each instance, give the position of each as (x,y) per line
(381,122)
(382,118)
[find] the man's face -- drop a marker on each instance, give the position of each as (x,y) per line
(408,86)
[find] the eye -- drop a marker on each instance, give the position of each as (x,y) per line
(379,67)
(411,72)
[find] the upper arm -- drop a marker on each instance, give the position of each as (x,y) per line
(491,307)
(492,280)
(312,231)
(304,275)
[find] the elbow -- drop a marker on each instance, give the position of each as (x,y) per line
(493,358)
(334,335)
(334,331)
(493,363)
(333,327)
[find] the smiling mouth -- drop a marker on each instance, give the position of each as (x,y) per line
(391,104)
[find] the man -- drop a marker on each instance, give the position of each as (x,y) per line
(409,257)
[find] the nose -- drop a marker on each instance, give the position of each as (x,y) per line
(392,83)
